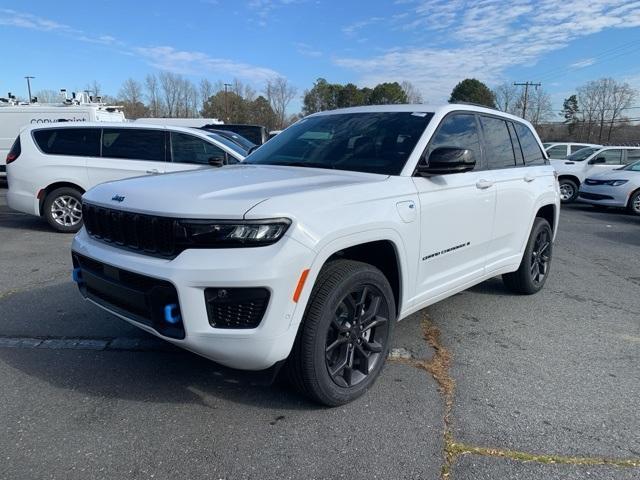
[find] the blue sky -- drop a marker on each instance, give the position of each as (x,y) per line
(433,44)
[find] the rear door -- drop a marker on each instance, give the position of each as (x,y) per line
(517,164)
(128,152)
(456,214)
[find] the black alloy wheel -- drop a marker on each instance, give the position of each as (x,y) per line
(540,257)
(356,336)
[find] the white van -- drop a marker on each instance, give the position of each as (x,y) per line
(49,168)
(13,117)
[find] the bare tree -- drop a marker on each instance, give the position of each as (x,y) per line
(279,94)
(507,96)
(131,97)
(412,93)
(539,106)
(153,95)
(603,102)
(48,96)
(206,91)
(94,88)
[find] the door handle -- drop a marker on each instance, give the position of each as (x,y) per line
(153,171)
(529,178)
(483,184)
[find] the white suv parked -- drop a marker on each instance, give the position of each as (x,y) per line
(588,162)
(561,150)
(49,168)
(310,250)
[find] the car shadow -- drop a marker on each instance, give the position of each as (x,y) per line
(178,377)
(494,286)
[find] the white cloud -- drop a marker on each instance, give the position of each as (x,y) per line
(13,18)
(583,63)
(483,38)
(198,63)
(307,50)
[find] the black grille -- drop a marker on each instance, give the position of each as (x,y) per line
(236,307)
(595,196)
(137,297)
(146,233)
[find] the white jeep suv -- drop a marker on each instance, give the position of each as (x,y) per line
(310,251)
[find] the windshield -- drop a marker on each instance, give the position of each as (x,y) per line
(228,143)
(236,138)
(582,154)
(376,142)
(634,167)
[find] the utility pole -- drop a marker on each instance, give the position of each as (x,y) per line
(226,113)
(28,77)
(526,86)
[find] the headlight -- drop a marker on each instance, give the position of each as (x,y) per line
(616,183)
(230,233)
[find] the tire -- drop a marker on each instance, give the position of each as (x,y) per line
(568,190)
(634,203)
(335,344)
(62,208)
(536,261)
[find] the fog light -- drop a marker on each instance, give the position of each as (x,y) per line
(172,313)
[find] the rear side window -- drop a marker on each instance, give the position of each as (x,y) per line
(460,131)
(516,144)
(499,149)
(133,143)
(559,151)
(530,148)
(576,147)
(84,142)
(190,149)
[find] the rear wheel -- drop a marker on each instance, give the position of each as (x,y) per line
(536,261)
(634,203)
(63,209)
(568,190)
(344,339)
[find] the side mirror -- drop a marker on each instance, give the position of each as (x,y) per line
(218,160)
(445,160)
(594,161)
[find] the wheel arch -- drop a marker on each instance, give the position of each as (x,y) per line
(42,194)
(383,250)
(570,176)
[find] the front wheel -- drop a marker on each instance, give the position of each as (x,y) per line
(568,190)
(344,337)
(62,208)
(536,261)
(634,203)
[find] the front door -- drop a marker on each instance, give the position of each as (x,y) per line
(456,215)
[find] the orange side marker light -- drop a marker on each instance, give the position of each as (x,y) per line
(303,278)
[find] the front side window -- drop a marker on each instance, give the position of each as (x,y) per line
(187,148)
(458,131)
(371,142)
(84,142)
(499,149)
(133,144)
(530,147)
(611,157)
(633,155)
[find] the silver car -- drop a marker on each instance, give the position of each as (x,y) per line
(614,188)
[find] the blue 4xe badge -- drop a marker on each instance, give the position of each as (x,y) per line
(117,198)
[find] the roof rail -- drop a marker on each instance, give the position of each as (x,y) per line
(458,102)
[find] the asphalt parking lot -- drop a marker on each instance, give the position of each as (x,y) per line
(484,385)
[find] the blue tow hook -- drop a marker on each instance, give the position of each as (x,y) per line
(76,275)
(172,313)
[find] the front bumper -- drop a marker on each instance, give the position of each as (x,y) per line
(276,267)
(604,195)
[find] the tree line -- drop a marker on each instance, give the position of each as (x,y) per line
(597,112)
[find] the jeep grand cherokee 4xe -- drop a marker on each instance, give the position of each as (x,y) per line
(309,252)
